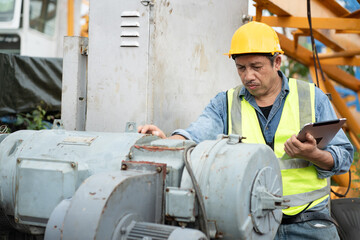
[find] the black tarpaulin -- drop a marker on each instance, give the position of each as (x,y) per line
(26,82)
(346,212)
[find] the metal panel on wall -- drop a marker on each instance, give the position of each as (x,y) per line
(118,64)
(158,61)
(188,65)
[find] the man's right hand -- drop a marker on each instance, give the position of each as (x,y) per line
(151,129)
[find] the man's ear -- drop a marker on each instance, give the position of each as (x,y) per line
(277,62)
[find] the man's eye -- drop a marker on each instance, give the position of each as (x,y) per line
(241,68)
(257,67)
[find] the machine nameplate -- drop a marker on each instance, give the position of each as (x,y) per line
(78,140)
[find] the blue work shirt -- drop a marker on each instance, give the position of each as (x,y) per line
(213,121)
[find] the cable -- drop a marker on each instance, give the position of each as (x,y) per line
(343,195)
(317,62)
(313,46)
(198,194)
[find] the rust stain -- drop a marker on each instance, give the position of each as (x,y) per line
(222,169)
(201,54)
(55,226)
(169,218)
(219,235)
(103,211)
(157,148)
(157,165)
(92,193)
(170,11)
(206,197)
(147,162)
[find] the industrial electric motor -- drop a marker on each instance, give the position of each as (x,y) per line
(89,185)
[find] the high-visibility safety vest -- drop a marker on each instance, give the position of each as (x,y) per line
(300,182)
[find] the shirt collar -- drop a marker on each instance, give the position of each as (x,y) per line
(284,88)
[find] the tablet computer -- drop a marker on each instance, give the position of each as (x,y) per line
(323,132)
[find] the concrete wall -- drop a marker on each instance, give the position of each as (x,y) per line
(168,70)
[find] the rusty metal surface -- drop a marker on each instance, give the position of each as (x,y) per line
(41,168)
(157,148)
(225,173)
(167,151)
(55,224)
(125,176)
(105,198)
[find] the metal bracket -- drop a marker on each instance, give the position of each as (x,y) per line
(58,124)
(144,166)
(235,139)
(266,200)
(84,47)
(147,3)
(213,230)
(270,201)
(84,50)
(131,127)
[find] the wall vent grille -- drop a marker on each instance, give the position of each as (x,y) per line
(130,29)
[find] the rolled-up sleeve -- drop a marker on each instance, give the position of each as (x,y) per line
(210,123)
(340,147)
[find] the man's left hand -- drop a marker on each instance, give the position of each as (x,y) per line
(308,150)
(295,148)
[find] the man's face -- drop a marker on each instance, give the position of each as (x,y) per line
(258,75)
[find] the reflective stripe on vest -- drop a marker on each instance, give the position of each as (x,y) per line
(300,182)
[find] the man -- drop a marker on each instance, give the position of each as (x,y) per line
(271,109)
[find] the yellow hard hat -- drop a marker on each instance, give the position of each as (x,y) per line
(254,37)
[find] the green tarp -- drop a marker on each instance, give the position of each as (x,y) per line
(26,82)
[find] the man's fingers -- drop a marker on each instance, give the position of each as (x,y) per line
(144,129)
(139,128)
(159,133)
(292,146)
(295,142)
(287,148)
(151,129)
(310,138)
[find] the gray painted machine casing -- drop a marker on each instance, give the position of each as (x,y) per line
(40,169)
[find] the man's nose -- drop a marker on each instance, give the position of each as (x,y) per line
(248,74)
